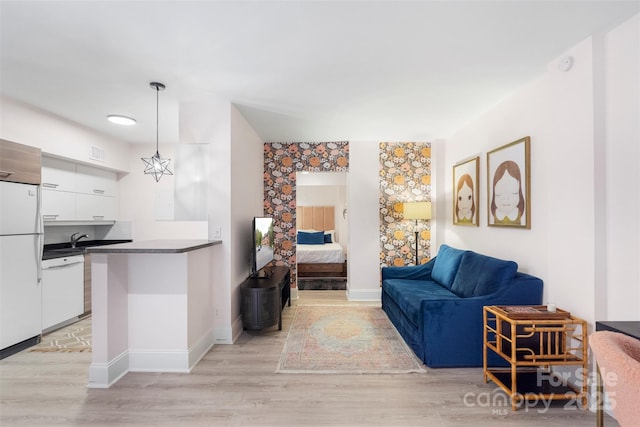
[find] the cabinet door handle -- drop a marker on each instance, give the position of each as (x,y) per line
(6,173)
(50,216)
(98,216)
(49,185)
(98,191)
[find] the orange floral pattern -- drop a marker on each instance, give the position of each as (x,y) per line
(281,162)
(405,176)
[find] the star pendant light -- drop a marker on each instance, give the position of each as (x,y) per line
(156,165)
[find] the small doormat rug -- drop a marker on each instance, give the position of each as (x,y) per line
(345,340)
(73,338)
(322,284)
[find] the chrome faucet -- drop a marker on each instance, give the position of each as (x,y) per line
(73,239)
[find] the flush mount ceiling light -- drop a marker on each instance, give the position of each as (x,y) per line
(121,120)
(156,165)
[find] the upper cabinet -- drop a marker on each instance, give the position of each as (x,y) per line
(59,175)
(91,180)
(19,163)
(75,192)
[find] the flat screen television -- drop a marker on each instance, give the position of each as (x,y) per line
(263,245)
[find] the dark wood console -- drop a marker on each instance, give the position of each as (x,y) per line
(264,298)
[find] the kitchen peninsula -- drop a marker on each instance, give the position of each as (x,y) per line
(152,307)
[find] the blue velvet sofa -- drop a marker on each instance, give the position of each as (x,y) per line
(437,306)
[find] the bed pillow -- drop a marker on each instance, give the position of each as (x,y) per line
(313,238)
(330,236)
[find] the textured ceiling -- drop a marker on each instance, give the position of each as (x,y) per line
(297,70)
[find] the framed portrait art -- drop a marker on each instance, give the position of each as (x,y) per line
(509,185)
(465,192)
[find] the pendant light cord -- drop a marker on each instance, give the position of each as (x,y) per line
(157,120)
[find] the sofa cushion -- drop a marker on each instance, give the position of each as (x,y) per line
(446,265)
(408,294)
(481,275)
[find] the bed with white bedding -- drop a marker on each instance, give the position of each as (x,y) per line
(320,254)
(324,260)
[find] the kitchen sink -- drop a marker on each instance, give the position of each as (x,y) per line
(68,251)
(57,253)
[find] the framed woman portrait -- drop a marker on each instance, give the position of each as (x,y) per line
(465,192)
(509,185)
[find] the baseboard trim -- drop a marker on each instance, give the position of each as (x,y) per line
(201,348)
(159,361)
(104,375)
(364,294)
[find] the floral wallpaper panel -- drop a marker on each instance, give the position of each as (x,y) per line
(281,162)
(405,176)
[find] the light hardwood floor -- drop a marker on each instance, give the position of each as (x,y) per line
(235,385)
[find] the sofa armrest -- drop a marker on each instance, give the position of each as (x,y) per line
(412,272)
(523,289)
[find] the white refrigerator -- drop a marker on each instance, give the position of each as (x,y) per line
(21,240)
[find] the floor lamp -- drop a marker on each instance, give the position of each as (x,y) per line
(417,211)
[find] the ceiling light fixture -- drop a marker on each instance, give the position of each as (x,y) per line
(121,120)
(156,165)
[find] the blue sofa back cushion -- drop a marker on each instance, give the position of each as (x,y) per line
(311,238)
(446,265)
(481,275)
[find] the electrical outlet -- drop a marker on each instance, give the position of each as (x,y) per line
(217,232)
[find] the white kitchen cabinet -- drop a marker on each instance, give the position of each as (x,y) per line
(76,192)
(58,205)
(58,175)
(91,180)
(90,207)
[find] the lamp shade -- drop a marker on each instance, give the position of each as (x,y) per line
(417,210)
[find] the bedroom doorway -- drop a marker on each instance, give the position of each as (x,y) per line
(321,201)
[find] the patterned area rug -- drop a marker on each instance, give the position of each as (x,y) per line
(345,340)
(73,338)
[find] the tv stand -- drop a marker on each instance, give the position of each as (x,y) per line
(261,274)
(263,298)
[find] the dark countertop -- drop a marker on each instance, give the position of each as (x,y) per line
(631,328)
(166,246)
(59,250)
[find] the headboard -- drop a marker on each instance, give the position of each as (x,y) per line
(315,217)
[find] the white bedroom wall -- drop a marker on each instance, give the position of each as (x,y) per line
(320,193)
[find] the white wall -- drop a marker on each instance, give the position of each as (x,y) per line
(562,112)
(247,196)
(622,136)
(364,221)
(149,204)
(27,125)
